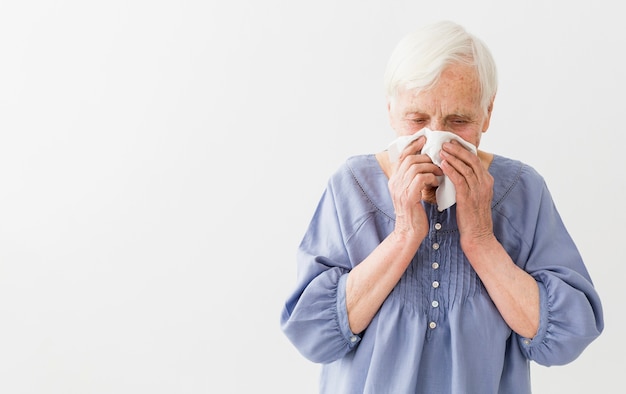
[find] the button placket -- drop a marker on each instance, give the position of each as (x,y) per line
(434,304)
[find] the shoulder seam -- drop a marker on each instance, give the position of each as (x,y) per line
(516,179)
(356,180)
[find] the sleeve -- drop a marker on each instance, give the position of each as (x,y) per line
(571,315)
(314,317)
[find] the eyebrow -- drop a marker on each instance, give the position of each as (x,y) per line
(456,114)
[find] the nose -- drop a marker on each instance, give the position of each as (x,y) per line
(436,124)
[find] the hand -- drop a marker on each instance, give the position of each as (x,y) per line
(413,179)
(474,192)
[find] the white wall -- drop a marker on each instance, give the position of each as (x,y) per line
(159,161)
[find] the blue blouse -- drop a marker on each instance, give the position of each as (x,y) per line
(438,331)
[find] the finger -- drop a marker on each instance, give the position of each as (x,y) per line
(416,165)
(456,149)
(419,186)
(458,171)
(415,147)
(414,174)
(413,165)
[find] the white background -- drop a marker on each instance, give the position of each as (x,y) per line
(160,160)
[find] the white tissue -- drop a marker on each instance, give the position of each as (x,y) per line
(446,193)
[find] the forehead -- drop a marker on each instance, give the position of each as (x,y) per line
(457,89)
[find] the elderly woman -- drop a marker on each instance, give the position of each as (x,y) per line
(398,292)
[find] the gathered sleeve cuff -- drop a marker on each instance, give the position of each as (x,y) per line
(570,318)
(571,315)
(315,316)
(317,324)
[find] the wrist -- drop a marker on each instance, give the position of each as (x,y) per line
(479,244)
(407,237)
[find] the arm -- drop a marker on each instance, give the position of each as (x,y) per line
(343,241)
(412,178)
(340,289)
(370,282)
(514,292)
(531,231)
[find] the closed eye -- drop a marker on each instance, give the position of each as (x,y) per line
(459,120)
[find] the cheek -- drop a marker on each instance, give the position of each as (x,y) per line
(477,142)
(473,137)
(408,128)
(476,138)
(401,126)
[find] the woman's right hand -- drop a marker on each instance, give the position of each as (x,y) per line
(413,179)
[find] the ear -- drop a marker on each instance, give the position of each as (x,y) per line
(389,111)
(488,117)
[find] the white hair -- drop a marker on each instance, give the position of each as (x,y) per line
(419,58)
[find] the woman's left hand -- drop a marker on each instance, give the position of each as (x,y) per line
(474,192)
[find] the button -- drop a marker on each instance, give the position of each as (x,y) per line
(526,341)
(432,324)
(435,303)
(435,246)
(435,265)
(435,284)
(353,338)
(437,226)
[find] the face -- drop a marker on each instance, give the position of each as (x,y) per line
(452,104)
